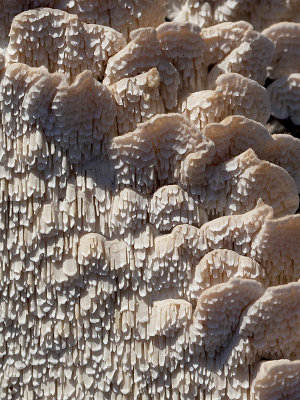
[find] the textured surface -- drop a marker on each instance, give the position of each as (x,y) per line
(263,14)
(61,42)
(149,248)
(277,378)
(233,95)
(237,133)
(284,96)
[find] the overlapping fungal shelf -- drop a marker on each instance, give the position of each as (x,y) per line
(149,236)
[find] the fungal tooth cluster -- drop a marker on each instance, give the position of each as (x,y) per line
(61,42)
(234,95)
(149,243)
(284,70)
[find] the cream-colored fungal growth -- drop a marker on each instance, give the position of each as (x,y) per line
(260,237)
(155,154)
(265,12)
(171,206)
(172,7)
(269,310)
(149,247)
(232,186)
(255,234)
(233,95)
(144,53)
(286,155)
(168,316)
(284,96)
(285,37)
(280,254)
(184,47)
(138,99)
(232,47)
(168,207)
(249,59)
(236,133)
(218,312)
(222,39)
(60,42)
(122,16)
(129,212)
(9,9)
(284,68)
(219,266)
(80,116)
(275,379)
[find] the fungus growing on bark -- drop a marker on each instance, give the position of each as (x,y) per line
(222,39)
(149,247)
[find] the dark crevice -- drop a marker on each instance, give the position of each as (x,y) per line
(210,67)
(283,126)
(268,82)
(298,210)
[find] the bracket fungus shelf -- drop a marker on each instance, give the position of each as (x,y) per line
(148,219)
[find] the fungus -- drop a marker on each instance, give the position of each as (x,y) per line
(284,70)
(285,37)
(222,39)
(149,242)
(45,100)
(218,266)
(234,95)
(237,133)
(154,154)
(232,47)
(144,53)
(249,59)
(284,97)
(137,98)
(244,179)
(60,42)
(218,311)
(124,17)
(184,47)
(266,12)
(275,378)
(257,319)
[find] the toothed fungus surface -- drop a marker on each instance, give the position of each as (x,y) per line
(149,236)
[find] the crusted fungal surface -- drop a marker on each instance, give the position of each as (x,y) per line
(275,378)
(234,95)
(149,242)
(237,133)
(264,14)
